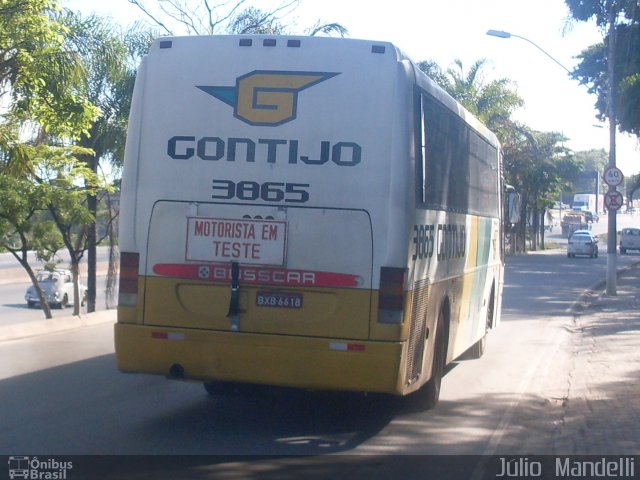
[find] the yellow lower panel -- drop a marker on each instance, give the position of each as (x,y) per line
(255,358)
(177,303)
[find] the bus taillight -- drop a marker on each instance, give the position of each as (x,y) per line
(391,294)
(128,289)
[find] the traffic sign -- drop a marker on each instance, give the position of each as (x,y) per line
(613,200)
(613,176)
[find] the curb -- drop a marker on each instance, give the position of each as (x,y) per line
(60,324)
(595,292)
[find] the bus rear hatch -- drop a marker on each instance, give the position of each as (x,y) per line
(259,269)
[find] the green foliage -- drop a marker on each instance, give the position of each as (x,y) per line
(110,58)
(592,70)
(492,102)
(42,78)
(535,163)
(538,164)
(593,67)
(50,179)
(599,10)
(42,82)
(593,160)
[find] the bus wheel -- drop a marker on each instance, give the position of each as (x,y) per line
(430,391)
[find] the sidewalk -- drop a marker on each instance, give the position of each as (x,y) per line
(56,324)
(602,401)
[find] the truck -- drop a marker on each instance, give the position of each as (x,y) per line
(573,221)
(588,202)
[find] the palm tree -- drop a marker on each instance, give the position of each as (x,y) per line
(110,58)
(492,102)
(535,163)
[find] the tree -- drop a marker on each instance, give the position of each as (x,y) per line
(539,167)
(594,163)
(593,67)
(70,183)
(211,18)
(493,103)
(37,73)
(59,176)
(633,185)
(40,83)
(48,184)
(110,57)
(535,163)
(592,70)
(22,229)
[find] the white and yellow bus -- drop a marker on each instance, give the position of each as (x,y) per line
(304,212)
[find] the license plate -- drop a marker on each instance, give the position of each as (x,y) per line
(279,300)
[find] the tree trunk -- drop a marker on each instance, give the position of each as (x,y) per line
(92,240)
(92,205)
(75,271)
(534,228)
(46,308)
(114,261)
(543,214)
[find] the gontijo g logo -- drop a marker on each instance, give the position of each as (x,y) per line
(264,97)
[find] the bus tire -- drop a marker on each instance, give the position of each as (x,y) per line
(429,394)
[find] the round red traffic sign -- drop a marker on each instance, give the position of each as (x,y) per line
(613,200)
(613,176)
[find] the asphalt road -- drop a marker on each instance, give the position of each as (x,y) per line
(63,395)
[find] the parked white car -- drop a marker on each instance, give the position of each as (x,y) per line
(629,239)
(57,286)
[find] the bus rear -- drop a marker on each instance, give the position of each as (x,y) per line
(264,191)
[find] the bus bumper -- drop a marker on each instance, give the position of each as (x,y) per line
(288,361)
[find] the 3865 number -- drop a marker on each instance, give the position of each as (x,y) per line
(268,191)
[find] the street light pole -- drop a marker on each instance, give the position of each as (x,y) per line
(611,217)
(503,34)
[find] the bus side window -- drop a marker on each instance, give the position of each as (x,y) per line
(460,169)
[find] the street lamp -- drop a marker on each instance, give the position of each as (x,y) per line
(611,217)
(502,34)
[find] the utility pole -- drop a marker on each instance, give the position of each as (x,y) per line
(612,214)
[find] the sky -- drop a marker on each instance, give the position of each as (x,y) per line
(451,30)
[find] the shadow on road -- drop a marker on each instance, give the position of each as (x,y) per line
(88,407)
(533,283)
